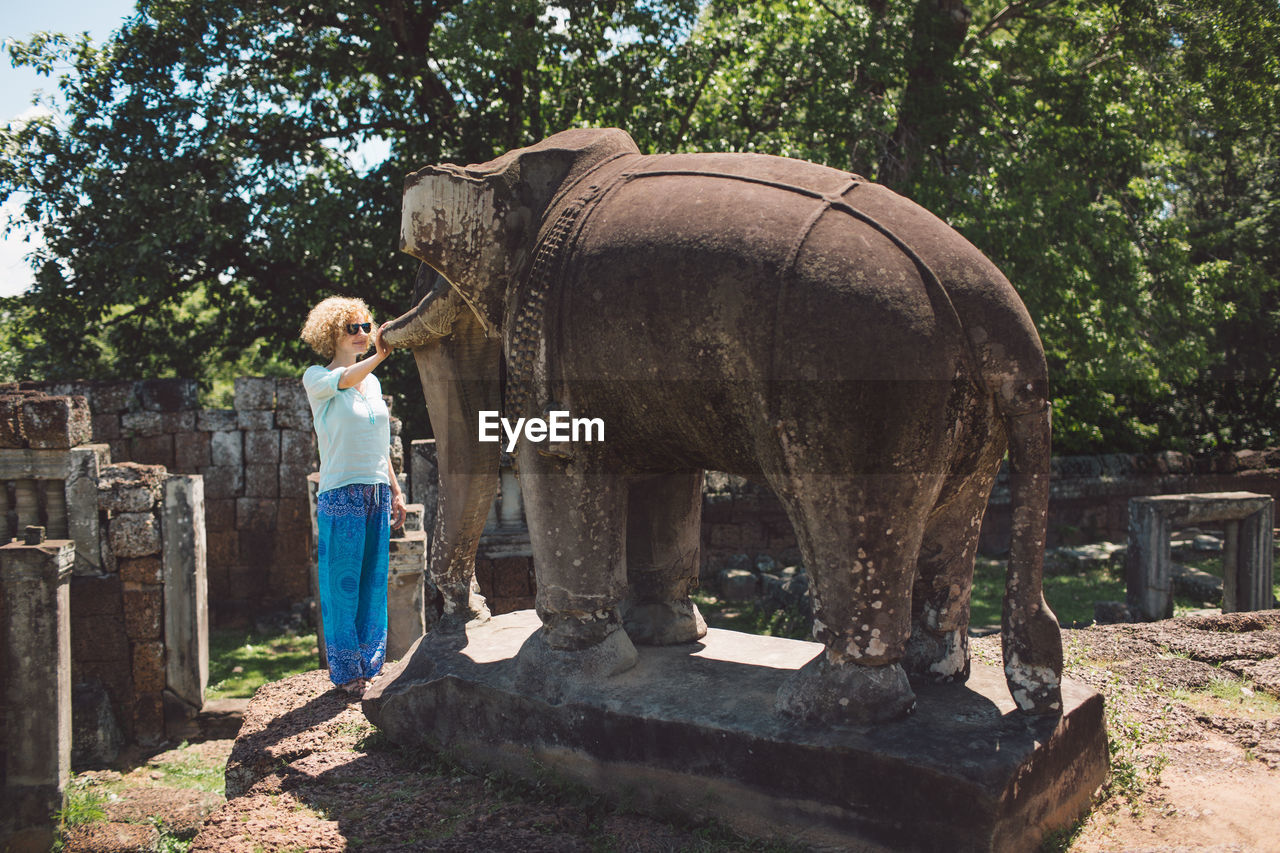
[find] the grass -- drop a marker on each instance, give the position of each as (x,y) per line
(241,661)
(1230,697)
(1070,593)
(84,805)
(185,769)
(751,618)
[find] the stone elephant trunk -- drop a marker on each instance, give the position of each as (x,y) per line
(458,366)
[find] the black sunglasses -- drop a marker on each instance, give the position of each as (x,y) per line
(352,328)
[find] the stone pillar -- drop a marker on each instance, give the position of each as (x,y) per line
(1248,559)
(424,481)
(37,606)
(81,489)
(406,586)
(1148,571)
(1247,552)
(313,489)
(186,604)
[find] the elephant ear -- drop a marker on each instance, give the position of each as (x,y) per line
(533,175)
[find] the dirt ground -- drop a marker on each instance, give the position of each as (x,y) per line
(1192,712)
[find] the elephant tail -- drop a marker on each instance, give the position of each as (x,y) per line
(1031,638)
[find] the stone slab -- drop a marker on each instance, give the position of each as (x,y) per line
(691,730)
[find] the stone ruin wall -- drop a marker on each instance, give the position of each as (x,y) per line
(137,613)
(254,459)
(1089,502)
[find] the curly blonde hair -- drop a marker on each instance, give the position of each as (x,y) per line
(327,321)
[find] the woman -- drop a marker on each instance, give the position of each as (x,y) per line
(359,498)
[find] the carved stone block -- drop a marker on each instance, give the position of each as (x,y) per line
(168,395)
(50,423)
(255,393)
(134,534)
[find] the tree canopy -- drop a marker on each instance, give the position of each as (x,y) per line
(216,169)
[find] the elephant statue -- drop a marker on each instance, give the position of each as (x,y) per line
(763,316)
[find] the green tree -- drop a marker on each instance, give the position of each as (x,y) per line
(1086,147)
(219,168)
(216,169)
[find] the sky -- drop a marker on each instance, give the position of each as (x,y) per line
(18,20)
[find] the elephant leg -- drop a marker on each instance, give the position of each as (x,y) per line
(576,512)
(939,644)
(859,536)
(664,517)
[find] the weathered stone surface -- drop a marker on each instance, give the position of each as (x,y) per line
(261,481)
(140,424)
(255,514)
(106,427)
(216,420)
(115,397)
(186,608)
(219,514)
(152,450)
(96,738)
(148,718)
(297,447)
(255,393)
(224,548)
(168,395)
(148,666)
(692,729)
(223,481)
(191,452)
(143,611)
(252,419)
(141,570)
(134,534)
(293,480)
(294,419)
(37,665)
(424,479)
(293,514)
(175,422)
(129,487)
(291,395)
(11,421)
(262,447)
(50,423)
(226,449)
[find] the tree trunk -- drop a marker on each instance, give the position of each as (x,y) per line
(925,117)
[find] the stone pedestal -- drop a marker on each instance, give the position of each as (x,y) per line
(692,730)
(37,675)
(406,586)
(1247,561)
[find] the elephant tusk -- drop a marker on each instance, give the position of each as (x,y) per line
(489,330)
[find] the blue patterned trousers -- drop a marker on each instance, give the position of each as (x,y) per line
(354,532)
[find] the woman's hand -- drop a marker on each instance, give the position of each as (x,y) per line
(381,347)
(399,512)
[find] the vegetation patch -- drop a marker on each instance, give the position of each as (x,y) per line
(241,661)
